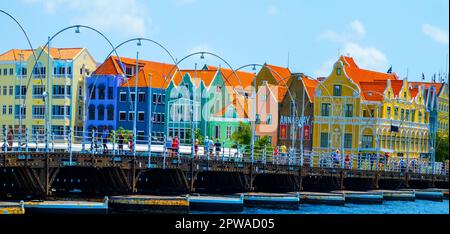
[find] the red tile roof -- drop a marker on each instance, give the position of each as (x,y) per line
(427,85)
(373,91)
(281,74)
(207,76)
(361,75)
(160,72)
(243,79)
(14,55)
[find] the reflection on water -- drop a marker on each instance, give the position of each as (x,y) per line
(388,207)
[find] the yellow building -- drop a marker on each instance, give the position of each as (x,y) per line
(443,109)
(362,112)
(66,85)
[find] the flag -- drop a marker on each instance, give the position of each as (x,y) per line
(390,70)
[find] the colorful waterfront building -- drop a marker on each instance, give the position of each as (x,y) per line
(363,112)
(101,93)
(150,85)
(13,75)
(296,112)
(60,73)
(437,100)
(187,103)
(112,89)
(274,82)
(231,107)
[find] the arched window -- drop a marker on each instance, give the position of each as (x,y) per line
(110,112)
(91,112)
(101,112)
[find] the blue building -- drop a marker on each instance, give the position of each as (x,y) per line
(101,94)
(151,85)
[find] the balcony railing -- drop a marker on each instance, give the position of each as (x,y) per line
(59,76)
(60,116)
(38,116)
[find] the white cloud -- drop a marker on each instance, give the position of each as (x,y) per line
(437,34)
(272,11)
(358,28)
(354,31)
(121,16)
(368,57)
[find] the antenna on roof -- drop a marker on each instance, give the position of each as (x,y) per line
(288,60)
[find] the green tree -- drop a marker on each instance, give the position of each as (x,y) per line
(442,147)
(242,135)
(114,135)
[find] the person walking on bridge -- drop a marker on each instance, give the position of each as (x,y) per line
(206,147)
(176,146)
(105,140)
(10,140)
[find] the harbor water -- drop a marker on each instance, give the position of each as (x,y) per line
(388,207)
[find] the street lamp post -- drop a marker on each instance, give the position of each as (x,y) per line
(47,99)
(135,103)
(252,141)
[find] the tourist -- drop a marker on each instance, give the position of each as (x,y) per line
(168,146)
(275,154)
(218,146)
(211,148)
(196,148)
(176,146)
(10,140)
(347,161)
(120,142)
(205,147)
(283,152)
(130,142)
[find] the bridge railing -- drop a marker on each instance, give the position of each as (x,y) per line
(108,143)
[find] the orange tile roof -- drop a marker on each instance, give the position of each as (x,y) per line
(349,61)
(373,91)
(207,76)
(413,91)
(396,86)
(13,55)
(159,72)
(361,75)
(427,85)
(243,78)
(64,53)
(281,74)
(310,87)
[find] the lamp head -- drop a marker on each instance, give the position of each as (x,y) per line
(77,29)
(202,56)
(139,42)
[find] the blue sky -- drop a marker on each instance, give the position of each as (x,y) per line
(410,35)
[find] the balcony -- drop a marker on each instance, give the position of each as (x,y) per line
(38,116)
(60,116)
(61,96)
(62,76)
